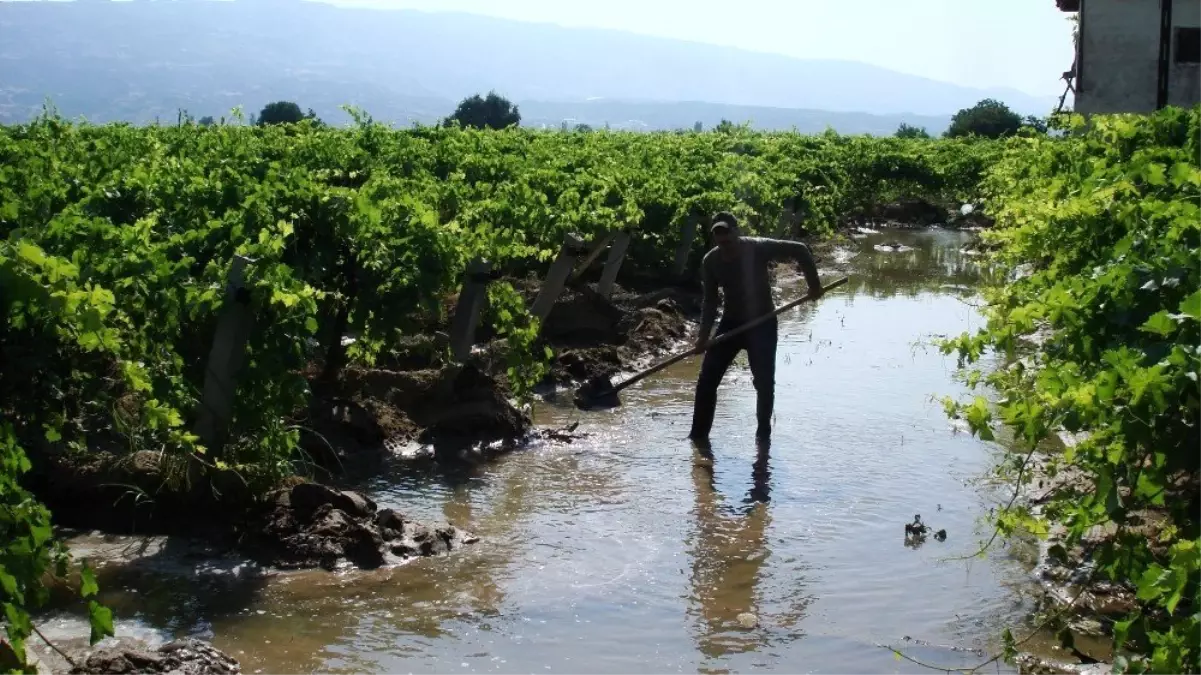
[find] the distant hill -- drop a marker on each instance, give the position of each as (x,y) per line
(140,60)
(650,115)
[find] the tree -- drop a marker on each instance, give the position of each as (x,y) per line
(989,118)
(493,112)
(585,128)
(908,131)
(1036,124)
(207,121)
(698,127)
(284,112)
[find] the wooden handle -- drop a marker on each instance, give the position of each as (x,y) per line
(721,338)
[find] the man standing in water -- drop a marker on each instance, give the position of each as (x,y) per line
(739,266)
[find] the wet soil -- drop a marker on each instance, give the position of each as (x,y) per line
(297,525)
(181,657)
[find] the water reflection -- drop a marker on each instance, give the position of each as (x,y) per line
(936,260)
(728,548)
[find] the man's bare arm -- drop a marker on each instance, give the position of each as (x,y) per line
(781,249)
(709,304)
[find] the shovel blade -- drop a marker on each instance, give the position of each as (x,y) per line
(597,392)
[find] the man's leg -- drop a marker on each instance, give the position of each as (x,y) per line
(761,352)
(717,361)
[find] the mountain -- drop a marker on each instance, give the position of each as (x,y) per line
(139,60)
(650,115)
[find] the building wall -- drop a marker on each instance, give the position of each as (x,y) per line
(1184,79)
(1119,56)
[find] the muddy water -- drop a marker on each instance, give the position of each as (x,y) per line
(623,553)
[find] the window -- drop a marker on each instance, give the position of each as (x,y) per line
(1188,44)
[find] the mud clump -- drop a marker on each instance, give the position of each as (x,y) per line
(595,337)
(904,212)
(143,491)
(583,318)
(186,657)
(312,525)
(374,409)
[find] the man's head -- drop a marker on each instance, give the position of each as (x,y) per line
(725,231)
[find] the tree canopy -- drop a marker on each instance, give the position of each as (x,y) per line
(491,112)
(988,118)
(283,112)
(910,131)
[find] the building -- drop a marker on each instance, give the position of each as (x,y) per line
(1136,55)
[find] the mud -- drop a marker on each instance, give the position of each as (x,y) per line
(375,411)
(1030,664)
(299,525)
(312,525)
(622,334)
(143,492)
(185,657)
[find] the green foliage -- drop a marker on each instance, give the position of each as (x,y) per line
(989,118)
(491,112)
(526,364)
(282,112)
(909,131)
(1101,233)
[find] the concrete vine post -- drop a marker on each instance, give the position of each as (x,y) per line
(467,311)
(617,254)
(556,277)
(597,248)
(225,360)
(687,237)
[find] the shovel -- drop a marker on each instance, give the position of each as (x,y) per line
(600,392)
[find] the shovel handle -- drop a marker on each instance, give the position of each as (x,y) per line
(721,338)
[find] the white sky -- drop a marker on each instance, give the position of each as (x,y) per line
(1023,44)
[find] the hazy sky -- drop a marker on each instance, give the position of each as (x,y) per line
(1024,44)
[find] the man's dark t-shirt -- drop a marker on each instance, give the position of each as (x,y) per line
(745,280)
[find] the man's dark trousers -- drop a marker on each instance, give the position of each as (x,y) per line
(760,345)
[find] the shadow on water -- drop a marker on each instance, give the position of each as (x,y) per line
(625,551)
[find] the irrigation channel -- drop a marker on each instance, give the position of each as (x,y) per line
(621,552)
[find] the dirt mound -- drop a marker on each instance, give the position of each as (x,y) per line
(143,491)
(582,318)
(640,334)
(188,656)
(312,525)
(903,212)
(452,407)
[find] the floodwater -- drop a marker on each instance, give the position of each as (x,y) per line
(621,552)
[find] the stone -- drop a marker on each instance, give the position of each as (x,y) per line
(307,498)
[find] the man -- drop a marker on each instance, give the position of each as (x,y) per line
(739,266)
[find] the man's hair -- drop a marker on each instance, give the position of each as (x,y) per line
(725,217)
